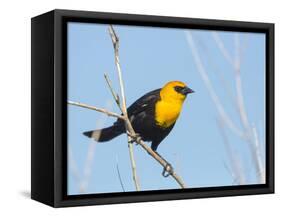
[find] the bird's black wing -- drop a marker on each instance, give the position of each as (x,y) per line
(141,105)
(144,102)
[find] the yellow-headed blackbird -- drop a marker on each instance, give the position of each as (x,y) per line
(153,115)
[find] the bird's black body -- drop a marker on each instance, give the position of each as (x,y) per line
(142,116)
(152,116)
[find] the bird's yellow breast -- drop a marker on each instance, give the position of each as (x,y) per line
(166,113)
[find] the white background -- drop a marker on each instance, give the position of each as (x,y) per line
(15,106)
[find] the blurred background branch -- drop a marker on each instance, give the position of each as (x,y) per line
(119,174)
(247,132)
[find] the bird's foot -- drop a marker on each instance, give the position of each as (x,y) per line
(167,170)
(136,139)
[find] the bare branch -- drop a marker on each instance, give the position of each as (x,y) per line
(133,162)
(258,156)
(249,135)
(119,175)
(231,172)
(115,96)
(218,71)
(160,160)
(209,86)
(115,42)
(114,38)
(222,48)
(72,164)
(238,82)
(236,168)
(112,114)
(91,151)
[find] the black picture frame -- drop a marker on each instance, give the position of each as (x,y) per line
(49,85)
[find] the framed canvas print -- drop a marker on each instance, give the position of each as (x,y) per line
(133,108)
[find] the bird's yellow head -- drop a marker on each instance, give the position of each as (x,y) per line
(175,91)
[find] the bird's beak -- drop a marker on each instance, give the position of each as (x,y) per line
(187,90)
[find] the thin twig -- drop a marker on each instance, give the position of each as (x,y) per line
(130,146)
(233,175)
(91,152)
(242,110)
(238,82)
(115,96)
(258,158)
(222,48)
(209,86)
(160,160)
(236,65)
(112,114)
(72,164)
(115,42)
(235,161)
(133,163)
(119,174)
(211,61)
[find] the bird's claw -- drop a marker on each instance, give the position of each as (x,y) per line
(167,170)
(137,138)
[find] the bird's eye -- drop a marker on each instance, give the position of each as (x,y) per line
(178,88)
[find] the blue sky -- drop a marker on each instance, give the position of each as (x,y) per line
(150,57)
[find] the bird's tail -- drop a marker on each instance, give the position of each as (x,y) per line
(105,134)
